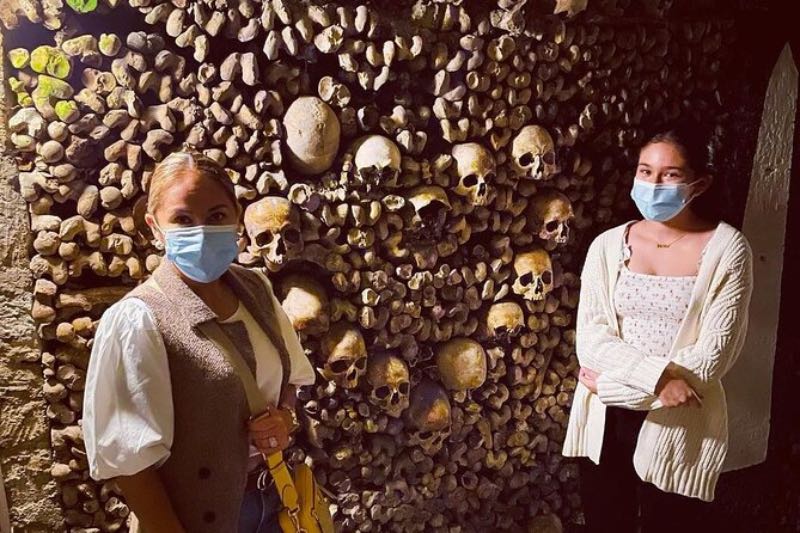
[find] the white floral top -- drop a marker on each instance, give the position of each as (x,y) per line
(650,308)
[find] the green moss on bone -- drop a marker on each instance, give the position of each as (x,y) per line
(109,44)
(50,60)
(82,6)
(50,87)
(67,111)
(80,46)
(19,58)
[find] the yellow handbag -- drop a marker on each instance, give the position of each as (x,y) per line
(305,508)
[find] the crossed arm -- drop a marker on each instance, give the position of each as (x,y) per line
(626,377)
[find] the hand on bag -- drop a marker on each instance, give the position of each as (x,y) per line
(270,430)
(675,391)
(588,377)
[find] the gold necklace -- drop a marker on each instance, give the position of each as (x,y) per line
(662,245)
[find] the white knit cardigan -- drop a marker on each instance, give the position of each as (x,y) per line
(679,449)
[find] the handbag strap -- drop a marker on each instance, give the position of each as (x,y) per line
(257,403)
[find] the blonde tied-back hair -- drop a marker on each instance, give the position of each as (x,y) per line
(178,164)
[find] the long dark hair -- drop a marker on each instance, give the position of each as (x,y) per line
(699,145)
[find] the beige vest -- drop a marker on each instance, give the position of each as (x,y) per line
(206,471)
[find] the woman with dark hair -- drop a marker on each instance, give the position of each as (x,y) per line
(662,316)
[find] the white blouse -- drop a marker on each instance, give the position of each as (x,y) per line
(650,309)
(128,414)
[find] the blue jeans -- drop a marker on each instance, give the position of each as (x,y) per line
(259,512)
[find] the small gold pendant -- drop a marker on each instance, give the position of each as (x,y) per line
(662,245)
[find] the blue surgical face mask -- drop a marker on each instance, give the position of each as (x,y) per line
(203,253)
(662,201)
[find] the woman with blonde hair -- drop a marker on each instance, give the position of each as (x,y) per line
(165,414)
(662,317)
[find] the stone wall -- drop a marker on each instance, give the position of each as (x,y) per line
(31,493)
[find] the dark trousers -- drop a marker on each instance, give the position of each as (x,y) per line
(616,500)
(260,511)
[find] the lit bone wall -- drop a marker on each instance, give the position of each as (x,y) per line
(421,180)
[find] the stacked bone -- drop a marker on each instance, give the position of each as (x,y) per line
(412,182)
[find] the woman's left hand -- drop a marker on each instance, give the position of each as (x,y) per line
(588,377)
(270,431)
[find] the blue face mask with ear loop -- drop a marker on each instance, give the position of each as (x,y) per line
(661,201)
(202,253)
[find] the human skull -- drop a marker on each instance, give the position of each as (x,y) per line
(475,167)
(345,355)
(377,161)
(533,153)
(428,416)
(462,364)
(305,302)
(274,230)
(504,321)
(430,205)
(534,274)
(312,135)
(550,215)
(389,383)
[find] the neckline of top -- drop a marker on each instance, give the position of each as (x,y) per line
(236,316)
(626,253)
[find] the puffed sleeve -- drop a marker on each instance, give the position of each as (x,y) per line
(128,413)
(302,371)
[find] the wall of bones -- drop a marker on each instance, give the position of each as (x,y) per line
(421,179)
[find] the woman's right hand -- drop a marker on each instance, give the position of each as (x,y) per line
(269,432)
(674,391)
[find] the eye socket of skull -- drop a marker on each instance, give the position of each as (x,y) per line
(385,173)
(547,277)
(425,435)
(339,366)
(500,330)
(526,159)
(291,235)
(549,158)
(526,279)
(551,226)
(264,238)
(404,388)
(382,392)
(361,363)
(470,180)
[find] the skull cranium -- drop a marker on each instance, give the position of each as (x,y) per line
(475,167)
(504,321)
(377,161)
(534,274)
(274,230)
(533,153)
(305,303)
(550,216)
(430,205)
(389,383)
(462,364)
(312,134)
(428,416)
(345,355)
